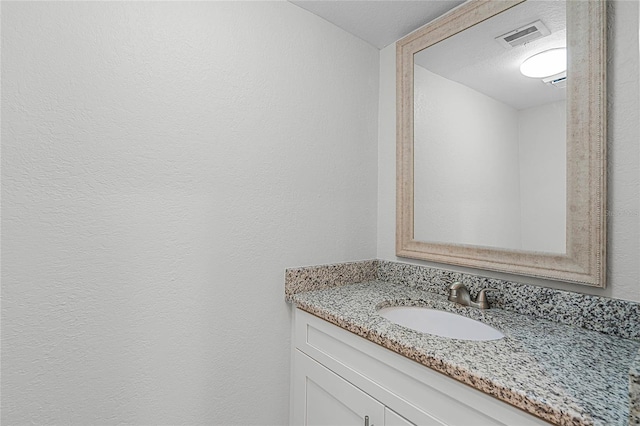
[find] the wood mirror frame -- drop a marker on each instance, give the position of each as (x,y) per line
(585,259)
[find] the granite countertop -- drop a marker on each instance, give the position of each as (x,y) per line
(562,373)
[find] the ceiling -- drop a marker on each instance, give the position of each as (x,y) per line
(472,58)
(378,22)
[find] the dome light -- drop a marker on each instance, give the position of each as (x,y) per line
(545,64)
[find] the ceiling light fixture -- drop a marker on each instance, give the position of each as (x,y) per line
(545,64)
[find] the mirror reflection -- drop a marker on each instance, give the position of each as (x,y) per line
(490,141)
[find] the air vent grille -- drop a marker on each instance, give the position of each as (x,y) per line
(522,35)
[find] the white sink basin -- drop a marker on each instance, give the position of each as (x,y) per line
(440,323)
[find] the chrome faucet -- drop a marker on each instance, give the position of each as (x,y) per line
(458,293)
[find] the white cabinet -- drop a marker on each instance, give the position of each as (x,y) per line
(322,398)
(339,378)
(391,418)
(325,399)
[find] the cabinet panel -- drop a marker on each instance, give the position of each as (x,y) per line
(322,398)
(391,418)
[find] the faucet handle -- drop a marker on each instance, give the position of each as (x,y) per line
(481,300)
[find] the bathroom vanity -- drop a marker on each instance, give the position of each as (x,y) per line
(340,379)
(350,361)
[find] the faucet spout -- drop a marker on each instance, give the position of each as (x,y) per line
(458,293)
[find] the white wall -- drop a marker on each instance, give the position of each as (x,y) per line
(466,175)
(162,163)
(542,152)
(623,172)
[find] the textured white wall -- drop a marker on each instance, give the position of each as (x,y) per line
(623,171)
(162,163)
(467,180)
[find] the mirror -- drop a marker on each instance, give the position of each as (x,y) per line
(490,142)
(498,170)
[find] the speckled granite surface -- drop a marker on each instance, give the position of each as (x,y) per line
(611,316)
(325,276)
(561,373)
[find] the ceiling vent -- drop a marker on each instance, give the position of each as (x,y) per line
(522,35)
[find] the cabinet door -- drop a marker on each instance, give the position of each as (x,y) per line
(391,418)
(322,398)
